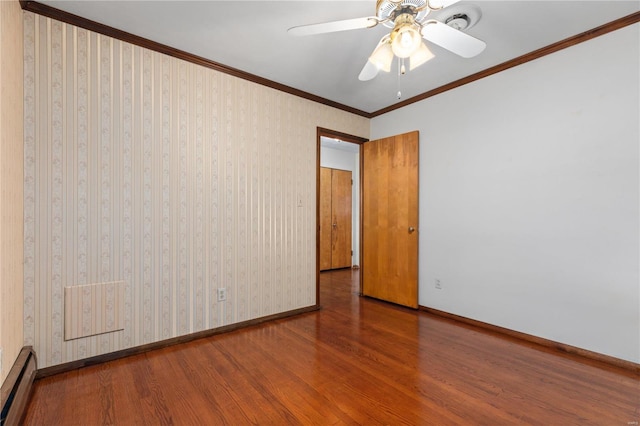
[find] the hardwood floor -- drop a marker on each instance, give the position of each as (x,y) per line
(356,361)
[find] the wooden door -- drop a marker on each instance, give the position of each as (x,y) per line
(341,214)
(390,219)
(325,218)
(335,218)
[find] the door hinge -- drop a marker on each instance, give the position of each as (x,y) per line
(351,181)
(351,252)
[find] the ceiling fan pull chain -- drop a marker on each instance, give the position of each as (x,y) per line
(400,72)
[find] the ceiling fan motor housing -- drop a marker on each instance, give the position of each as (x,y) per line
(388,11)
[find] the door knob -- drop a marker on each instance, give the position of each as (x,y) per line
(335,225)
(411,229)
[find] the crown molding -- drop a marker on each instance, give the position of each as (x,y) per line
(544,51)
(69,18)
(87,24)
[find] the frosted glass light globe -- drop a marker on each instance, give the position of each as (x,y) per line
(406,41)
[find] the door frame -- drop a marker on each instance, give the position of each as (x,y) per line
(320,132)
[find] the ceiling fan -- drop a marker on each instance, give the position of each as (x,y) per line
(410,23)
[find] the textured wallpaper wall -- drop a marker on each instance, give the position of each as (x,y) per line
(173,178)
(11,152)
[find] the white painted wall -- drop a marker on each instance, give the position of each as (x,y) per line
(343,160)
(529,196)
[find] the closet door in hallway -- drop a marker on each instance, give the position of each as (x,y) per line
(335,218)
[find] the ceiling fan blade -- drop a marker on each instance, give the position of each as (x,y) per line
(330,27)
(451,39)
(369,71)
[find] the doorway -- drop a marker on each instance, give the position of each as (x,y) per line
(390,260)
(338,151)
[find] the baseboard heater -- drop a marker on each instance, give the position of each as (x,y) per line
(16,389)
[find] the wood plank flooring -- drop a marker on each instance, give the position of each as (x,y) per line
(356,361)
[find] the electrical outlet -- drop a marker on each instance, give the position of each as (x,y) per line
(222,294)
(438,284)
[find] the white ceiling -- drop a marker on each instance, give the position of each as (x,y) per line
(340,145)
(252,36)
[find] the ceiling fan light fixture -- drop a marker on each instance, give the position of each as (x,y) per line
(382,57)
(405,37)
(422,55)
